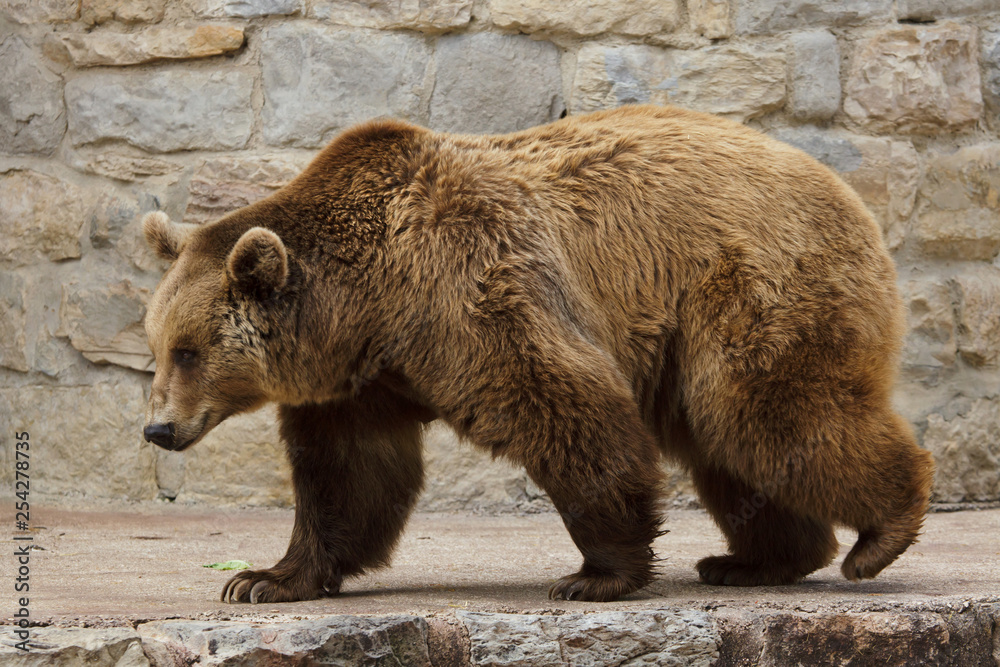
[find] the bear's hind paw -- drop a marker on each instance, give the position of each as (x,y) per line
(731,571)
(256,586)
(874,551)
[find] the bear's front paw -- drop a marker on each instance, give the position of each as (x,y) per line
(273,585)
(591,587)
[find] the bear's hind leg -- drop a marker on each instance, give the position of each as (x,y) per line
(769,544)
(357,471)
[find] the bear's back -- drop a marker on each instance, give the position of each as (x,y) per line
(648,205)
(686,183)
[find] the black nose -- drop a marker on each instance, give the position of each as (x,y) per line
(160,434)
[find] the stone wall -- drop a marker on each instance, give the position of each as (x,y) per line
(111,108)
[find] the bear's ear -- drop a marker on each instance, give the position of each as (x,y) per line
(164,237)
(258,262)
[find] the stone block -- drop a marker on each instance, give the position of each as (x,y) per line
(978,316)
(710,18)
(959,203)
(476,70)
(244,9)
(41,217)
(32,113)
(770,16)
(54,356)
(972,235)
(115,226)
(127,11)
(242,460)
(884,638)
(47,353)
(29,303)
(13,339)
(113,213)
(85,439)
(162,111)
(128,167)
(223,184)
(94,647)
(731,80)
(319,80)
(170,473)
(930,342)
(918,79)
(41,11)
(425,15)
(94,49)
(335,640)
(966,449)
(814,75)
(105,323)
(929,10)
(966,178)
(586,18)
(664,637)
(991,77)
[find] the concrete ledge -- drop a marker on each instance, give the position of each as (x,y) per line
(725,637)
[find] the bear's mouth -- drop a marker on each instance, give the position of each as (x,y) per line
(181,445)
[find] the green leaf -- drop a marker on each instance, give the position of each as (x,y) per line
(231,565)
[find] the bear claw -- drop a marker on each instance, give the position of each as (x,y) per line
(235,588)
(256,586)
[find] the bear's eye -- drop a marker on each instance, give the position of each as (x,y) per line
(184,357)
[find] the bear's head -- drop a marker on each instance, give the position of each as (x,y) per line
(208,326)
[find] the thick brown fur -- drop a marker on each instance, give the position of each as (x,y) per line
(580,298)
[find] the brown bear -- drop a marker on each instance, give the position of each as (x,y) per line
(580,298)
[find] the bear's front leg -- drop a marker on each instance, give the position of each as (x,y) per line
(357,471)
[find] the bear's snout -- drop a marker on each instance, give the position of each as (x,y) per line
(160,434)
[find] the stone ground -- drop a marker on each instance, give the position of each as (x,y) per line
(123,585)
